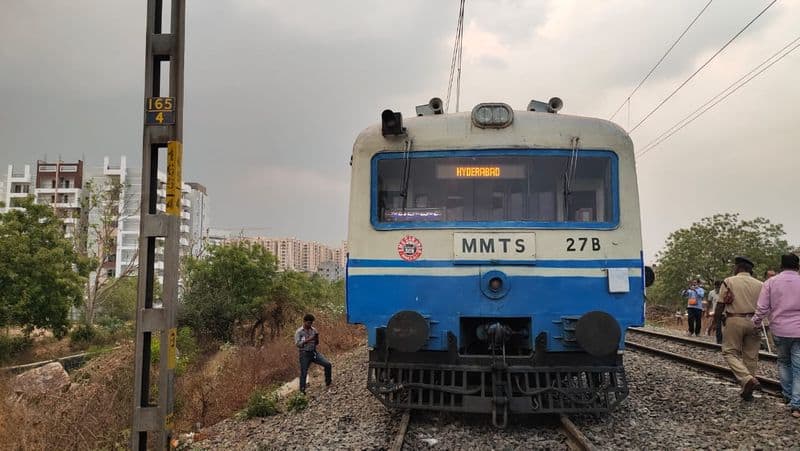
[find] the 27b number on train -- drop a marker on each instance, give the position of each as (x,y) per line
(583,244)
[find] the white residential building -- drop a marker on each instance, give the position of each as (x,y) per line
(125,259)
(331,270)
(19,185)
(196,201)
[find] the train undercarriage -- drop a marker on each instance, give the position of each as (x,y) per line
(498,384)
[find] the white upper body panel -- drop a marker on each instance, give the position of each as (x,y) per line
(529,130)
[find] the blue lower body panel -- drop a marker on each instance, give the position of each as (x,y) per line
(444,300)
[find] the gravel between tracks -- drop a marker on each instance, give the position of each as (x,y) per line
(443,431)
(765,368)
(670,406)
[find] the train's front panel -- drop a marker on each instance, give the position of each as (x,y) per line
(495,269)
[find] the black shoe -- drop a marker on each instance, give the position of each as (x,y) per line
(747,390)
(328,383)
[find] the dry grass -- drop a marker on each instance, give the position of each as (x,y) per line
(220,386)
(95,412)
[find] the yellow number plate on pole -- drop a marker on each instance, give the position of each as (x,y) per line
(172,353)
(174,161)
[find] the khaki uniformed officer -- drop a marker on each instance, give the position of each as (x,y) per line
(740,340)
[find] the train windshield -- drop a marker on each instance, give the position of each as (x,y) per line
(538,187)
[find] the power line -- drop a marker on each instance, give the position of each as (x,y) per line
(455,60)
(684,122)
(628,99)
(669,131)
(703,66)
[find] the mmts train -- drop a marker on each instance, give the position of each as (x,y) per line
(495,258)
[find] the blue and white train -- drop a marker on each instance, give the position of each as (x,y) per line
(495,258)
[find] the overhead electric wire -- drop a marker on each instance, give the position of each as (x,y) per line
(628,99)
(460,50)
(686,121)
(660,138)
(702,66)
(455,60)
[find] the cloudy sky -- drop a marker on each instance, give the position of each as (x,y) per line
(277,91)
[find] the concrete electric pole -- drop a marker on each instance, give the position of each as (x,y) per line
(163,128)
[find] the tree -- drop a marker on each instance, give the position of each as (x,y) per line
(40,273)
(226,288)
(706,250)
(102,207)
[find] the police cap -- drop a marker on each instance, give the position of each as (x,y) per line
(740,259)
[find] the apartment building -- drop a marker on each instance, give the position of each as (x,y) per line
(62,185)
(299,255)
(19,184)
(196,201)
(59,185)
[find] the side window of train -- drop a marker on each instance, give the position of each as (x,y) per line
(583,244)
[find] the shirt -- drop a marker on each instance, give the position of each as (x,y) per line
(745,288)
(713,297)
(303,333)
(780,299)
(697,295)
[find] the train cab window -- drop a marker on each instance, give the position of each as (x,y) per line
(532,188)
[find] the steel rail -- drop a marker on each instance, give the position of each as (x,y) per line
(769,386)
(707,344)
(575,438)
(397,445)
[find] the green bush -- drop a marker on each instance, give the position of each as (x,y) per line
(262,403)
(187,349)
(83,334)
(11,346)
(297,402)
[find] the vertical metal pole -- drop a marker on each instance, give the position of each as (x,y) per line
(163,128)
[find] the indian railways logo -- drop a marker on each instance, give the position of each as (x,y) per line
(409,248)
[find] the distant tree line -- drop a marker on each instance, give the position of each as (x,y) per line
(705,251)
(234,292)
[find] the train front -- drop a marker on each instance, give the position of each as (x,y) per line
(495,260)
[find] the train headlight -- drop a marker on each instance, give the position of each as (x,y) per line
(492,115)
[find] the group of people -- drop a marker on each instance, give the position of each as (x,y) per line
(739,306)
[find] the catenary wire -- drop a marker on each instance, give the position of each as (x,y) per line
(658,139)
(460,50)
(654,145)
(686,30)
(455,58)
(702,66)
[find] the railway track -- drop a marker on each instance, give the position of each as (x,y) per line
(768,385)
(766,356)
(575,439)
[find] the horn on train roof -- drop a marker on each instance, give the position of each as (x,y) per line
(434,106)
(552,106)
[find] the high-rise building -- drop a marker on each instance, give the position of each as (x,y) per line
(65,186)
(197,202)
(125,184)
(298,255)
(19,185)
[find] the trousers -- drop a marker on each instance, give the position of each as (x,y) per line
(789,369)
(695,318)
(306,359)
(740,345)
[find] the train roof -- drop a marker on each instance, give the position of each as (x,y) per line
(529,129)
